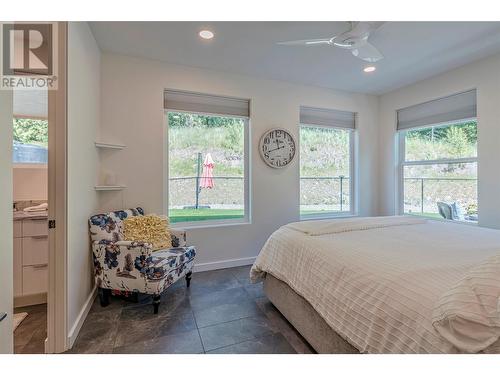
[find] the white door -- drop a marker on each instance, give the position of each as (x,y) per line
(6,235)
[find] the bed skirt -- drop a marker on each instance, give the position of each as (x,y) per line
(305,319)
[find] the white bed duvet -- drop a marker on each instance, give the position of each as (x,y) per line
(394,284)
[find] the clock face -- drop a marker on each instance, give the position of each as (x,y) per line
(277,148)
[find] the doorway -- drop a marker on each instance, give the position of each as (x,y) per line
(33,183)
(30,219)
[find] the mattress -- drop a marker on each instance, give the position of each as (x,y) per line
(305,319)
(376,283)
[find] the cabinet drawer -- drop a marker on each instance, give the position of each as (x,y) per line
(18,228)
(35,250)
(18,267)
(35,279)
(35,227)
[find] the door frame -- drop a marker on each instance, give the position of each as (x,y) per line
(57,327)
(6,220)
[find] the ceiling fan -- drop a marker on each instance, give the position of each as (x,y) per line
(355,40)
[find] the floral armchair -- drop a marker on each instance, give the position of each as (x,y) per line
(132,267)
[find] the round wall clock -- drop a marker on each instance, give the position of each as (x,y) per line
(277,148)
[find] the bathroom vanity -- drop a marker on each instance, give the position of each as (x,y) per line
(31,255)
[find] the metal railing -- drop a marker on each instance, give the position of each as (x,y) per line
(421,183)
(341,194)
(341,180)
(197,184)
(343,191)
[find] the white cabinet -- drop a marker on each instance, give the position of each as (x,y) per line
(18,229)
(35,250)
(35,227)
(35,279)
(18,267)
(31,257)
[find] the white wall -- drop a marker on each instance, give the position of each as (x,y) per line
(6,248)
(30,183)
(483,75)
(132,113)
(83,124)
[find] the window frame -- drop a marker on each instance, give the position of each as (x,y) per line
(352,180)
(402,163)
(30,165)
(246,219)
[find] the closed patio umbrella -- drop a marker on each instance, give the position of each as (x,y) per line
(207,177)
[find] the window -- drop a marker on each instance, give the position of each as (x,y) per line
(207,163)
(439,166)
(30,141)
(326,162)
(30,127)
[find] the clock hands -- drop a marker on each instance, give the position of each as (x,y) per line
(278,144)
(274,149)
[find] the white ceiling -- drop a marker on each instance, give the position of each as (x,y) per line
(413,50)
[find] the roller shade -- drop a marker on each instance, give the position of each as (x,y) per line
(327,117)
(195,102)
(451,108)
(30,104)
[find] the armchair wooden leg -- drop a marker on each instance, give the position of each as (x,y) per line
(156,303)
(104,296)
(188,278)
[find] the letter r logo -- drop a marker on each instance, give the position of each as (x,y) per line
(27,49)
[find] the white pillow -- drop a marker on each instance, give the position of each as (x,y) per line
(468,315)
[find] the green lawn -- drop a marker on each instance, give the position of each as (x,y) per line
(306,213)
(432,215)
(181,215)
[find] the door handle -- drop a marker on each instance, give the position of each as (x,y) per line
(3,315)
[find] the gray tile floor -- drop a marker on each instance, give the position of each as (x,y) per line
(29,337)
(220,313)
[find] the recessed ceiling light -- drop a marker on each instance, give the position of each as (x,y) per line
(206,34)
(369,69)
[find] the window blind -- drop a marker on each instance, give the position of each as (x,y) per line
(30,104)
(451,108)
(327,117)
(185,101)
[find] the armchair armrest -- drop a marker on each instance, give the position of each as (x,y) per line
(178,237)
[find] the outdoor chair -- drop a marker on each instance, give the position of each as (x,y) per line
(445,210)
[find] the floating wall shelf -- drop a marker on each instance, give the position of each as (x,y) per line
(109,187)
(113,146)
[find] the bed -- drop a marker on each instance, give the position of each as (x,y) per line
(396,284)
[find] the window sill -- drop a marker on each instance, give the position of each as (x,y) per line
(329,216)
(29,165)
(188,225)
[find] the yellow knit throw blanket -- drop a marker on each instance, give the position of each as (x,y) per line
(152,229)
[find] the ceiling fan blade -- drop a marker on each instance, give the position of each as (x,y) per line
(367,52)
(365,28)
(357,36)
(306,42)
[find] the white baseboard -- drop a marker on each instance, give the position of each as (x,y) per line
(75,330)
(223,264)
